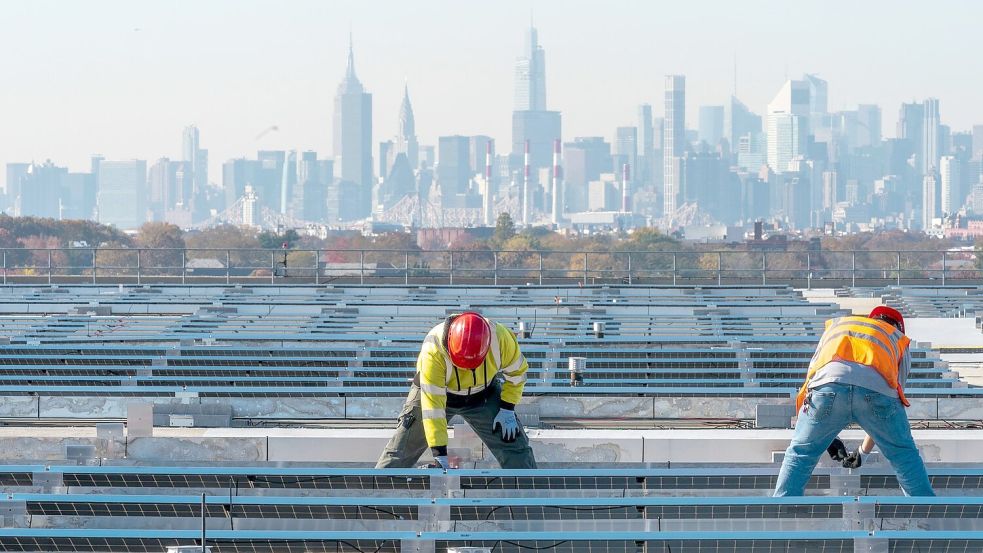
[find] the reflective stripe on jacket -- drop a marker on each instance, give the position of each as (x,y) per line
(870,342)
(439,377)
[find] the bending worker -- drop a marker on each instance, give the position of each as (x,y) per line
(457,374)
(857,375)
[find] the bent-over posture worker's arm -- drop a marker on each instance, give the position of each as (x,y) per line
(514,367)
(433,395)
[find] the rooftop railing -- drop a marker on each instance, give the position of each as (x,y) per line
(824,269)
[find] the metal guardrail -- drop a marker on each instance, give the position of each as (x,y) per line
(185,266)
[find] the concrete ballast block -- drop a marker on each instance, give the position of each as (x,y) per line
(773,416)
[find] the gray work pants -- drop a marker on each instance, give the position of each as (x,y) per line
(409,442)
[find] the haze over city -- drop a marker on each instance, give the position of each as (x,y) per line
(576,116)
(123,78)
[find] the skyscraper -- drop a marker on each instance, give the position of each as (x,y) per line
(625,147)
(951,185)
(868,125)
(711,124)
(40,191)
(353,141)
(532,123)
(197,168)
(288,181)
(236,175)
(530,75)
(168,182)
(122,193)
(673,141)
(739,122)
(818,103)
(584,160)
(406,137)
(932,138)
(788,125)
(911,128)
(977,142)
(646,145)
(269,178)
(540,129)
(930,199)
(309,198)
(78,196)
(15,172)
(453,169)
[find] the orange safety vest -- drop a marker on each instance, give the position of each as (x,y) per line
(862,340)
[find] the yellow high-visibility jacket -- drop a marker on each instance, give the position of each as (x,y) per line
(439,377)
(861,340)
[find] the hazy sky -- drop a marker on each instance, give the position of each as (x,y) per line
(122,78)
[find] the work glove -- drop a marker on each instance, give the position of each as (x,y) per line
(837,451)
(506,422)
(853,460)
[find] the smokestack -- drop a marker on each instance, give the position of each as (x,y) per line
(625,180)
(489,199)
(556,183)
(525,188)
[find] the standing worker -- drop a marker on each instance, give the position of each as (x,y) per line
(857,375)
(457,374)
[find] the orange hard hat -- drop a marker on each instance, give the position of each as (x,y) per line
(468,337)
(884,312)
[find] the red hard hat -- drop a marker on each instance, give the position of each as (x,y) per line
(887,312)
(468,339)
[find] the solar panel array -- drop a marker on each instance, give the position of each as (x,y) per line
(930,301)
(254,508)
(232,346)
(749,343)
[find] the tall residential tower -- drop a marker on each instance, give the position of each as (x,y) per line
(532,123)
(673,142)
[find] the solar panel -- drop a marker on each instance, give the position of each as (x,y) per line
(935,545)
(245,481)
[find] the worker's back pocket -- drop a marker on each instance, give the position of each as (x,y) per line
(819,404)
(882,406)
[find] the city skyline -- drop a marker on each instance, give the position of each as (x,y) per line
(143,117)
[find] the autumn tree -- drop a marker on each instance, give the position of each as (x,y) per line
(66,231)
(646,244)
(162,248)
(239,246)
(504,228)
(276,241)
(42,250)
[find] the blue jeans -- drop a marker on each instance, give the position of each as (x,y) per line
(829,409)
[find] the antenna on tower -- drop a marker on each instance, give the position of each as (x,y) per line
(735,73)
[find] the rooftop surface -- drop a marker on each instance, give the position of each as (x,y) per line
(123,405)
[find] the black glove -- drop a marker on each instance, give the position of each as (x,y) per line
(837,451)
(853,460)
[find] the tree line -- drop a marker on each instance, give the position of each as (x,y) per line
(72,247)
